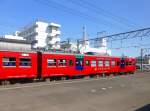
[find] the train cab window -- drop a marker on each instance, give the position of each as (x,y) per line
(87,63)
(113,63)
(62,62)
(93,63)
(51,62)
(25,62)
(100,63)
(107,63)
(70,62)
(9,61)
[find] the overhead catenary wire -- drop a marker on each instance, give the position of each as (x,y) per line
(100,12)
(131,46)
(108,14)
(59,6)
(125,35)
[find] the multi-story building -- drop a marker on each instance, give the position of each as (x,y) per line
(46,34)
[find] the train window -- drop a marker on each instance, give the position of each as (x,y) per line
(87,63)
(100,63)
(118,63)
(25,62)
(9,61)
(51,62)
(130,63)
(113,63)
(107,63)
(93,63)
(62,62)
(127,63)
(70,62)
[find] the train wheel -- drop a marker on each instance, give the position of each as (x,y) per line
(12,81)
(91,76)
(51,79)
(2,82)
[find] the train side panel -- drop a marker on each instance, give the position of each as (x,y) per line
(130,65)
(101,65)
(57,65)
(18,65)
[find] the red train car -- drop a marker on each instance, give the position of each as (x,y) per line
(23,65)
(101,64)
(127,65)
(57,64)
(77,64)
(18,65)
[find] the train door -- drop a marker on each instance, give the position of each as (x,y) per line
(79,62)
(122,63)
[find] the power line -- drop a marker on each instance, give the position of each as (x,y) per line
(132,46)
(95,10)
(125,35)
(108,14)
(72,11)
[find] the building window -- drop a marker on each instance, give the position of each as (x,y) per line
(25,62)
(113,63)
(107,63)
(9,61)
(70,62)
(62,62)
(93,63)
(87,63)
(100,63)
(51,62)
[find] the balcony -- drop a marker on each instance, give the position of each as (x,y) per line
(53,33)
(54,41)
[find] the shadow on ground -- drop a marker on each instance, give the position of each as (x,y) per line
(144,108)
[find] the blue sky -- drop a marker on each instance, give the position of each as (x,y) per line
(112,16)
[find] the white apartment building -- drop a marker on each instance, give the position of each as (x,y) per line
(47,35)
(101,48)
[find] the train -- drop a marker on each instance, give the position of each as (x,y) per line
(19,65)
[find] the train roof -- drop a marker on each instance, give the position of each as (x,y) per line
(21,51)
(44,52)
(82,54)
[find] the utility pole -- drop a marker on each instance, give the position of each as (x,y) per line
(78,43)
(141,59)
(84,36)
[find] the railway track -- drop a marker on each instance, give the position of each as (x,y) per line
(39,83)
